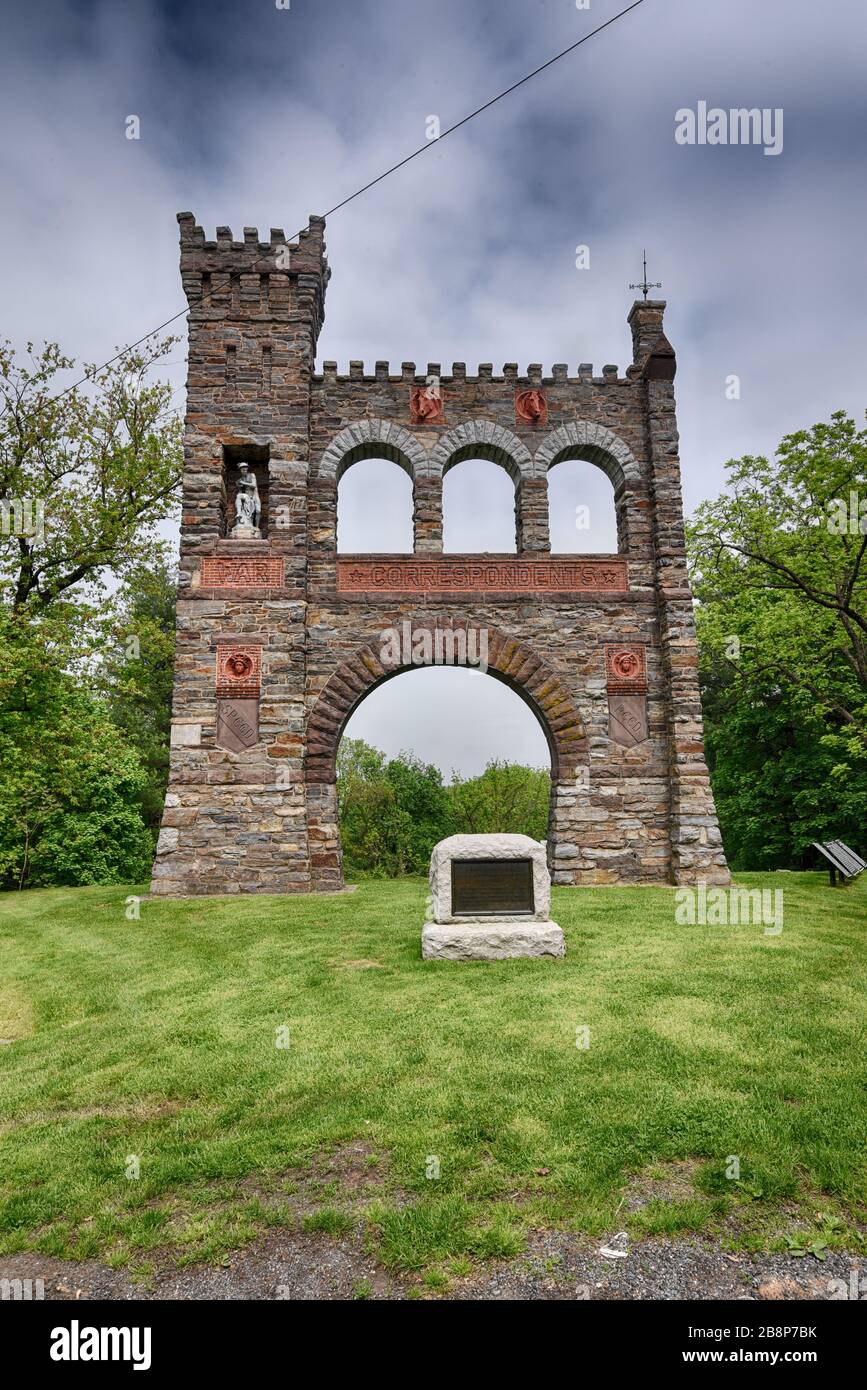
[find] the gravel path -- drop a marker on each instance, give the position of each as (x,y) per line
(555,1266)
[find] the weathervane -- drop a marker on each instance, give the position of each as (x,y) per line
(657,285)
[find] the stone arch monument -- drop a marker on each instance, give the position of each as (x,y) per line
(279,638)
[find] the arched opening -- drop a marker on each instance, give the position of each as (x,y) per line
(478,509)
(487,651)
(374,508)
(582,515)
(437,751)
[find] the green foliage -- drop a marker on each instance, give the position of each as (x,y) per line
(138,672)
(69,785)
(86,476)
(779,572)
(392,813)
(102,469)
(507,798)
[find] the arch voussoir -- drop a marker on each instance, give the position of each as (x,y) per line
(508,659)
(374,438)
(591,441)
(483,439)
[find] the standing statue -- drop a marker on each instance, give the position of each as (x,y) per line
(248,506)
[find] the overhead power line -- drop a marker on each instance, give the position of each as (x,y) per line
(429,144)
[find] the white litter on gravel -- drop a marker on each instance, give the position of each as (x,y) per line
(612,1253)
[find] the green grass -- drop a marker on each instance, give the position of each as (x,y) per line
(328,1219)
(156,1041)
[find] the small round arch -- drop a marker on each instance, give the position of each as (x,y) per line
(597,444)
(374,439)
(482,439)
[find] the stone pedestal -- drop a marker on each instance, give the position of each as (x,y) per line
(491,940)
(517,922)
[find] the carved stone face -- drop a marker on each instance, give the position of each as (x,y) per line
(626,665)
(239,666)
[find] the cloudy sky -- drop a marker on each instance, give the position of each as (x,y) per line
(254,115)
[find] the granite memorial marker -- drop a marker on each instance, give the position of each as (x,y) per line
(490,900)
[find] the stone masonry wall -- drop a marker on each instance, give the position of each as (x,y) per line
(258,814)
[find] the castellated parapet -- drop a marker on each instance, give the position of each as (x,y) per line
(279,638)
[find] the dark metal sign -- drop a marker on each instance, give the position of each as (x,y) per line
(488,887)
(841,858)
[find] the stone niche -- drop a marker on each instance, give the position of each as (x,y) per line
(256,456)
(490,900)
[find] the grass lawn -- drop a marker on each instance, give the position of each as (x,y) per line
(156,1041)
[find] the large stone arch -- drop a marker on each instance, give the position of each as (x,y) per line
(484,440)
(508,660)
(374,439)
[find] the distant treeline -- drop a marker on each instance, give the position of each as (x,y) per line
(393,811)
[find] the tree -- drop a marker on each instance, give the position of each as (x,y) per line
(792,532)
(424,809)
(392,813)
(362,798)
(84,477)
(507,798)
(138,673)
(780,572)
(70,786)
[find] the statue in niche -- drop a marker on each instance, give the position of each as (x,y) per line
(248,506)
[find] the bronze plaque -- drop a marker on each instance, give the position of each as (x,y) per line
(488,887)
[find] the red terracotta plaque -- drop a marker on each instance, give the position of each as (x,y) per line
(481,576)
(426,405)
(626,669)
(239,671)
(227,572)
(531,407)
